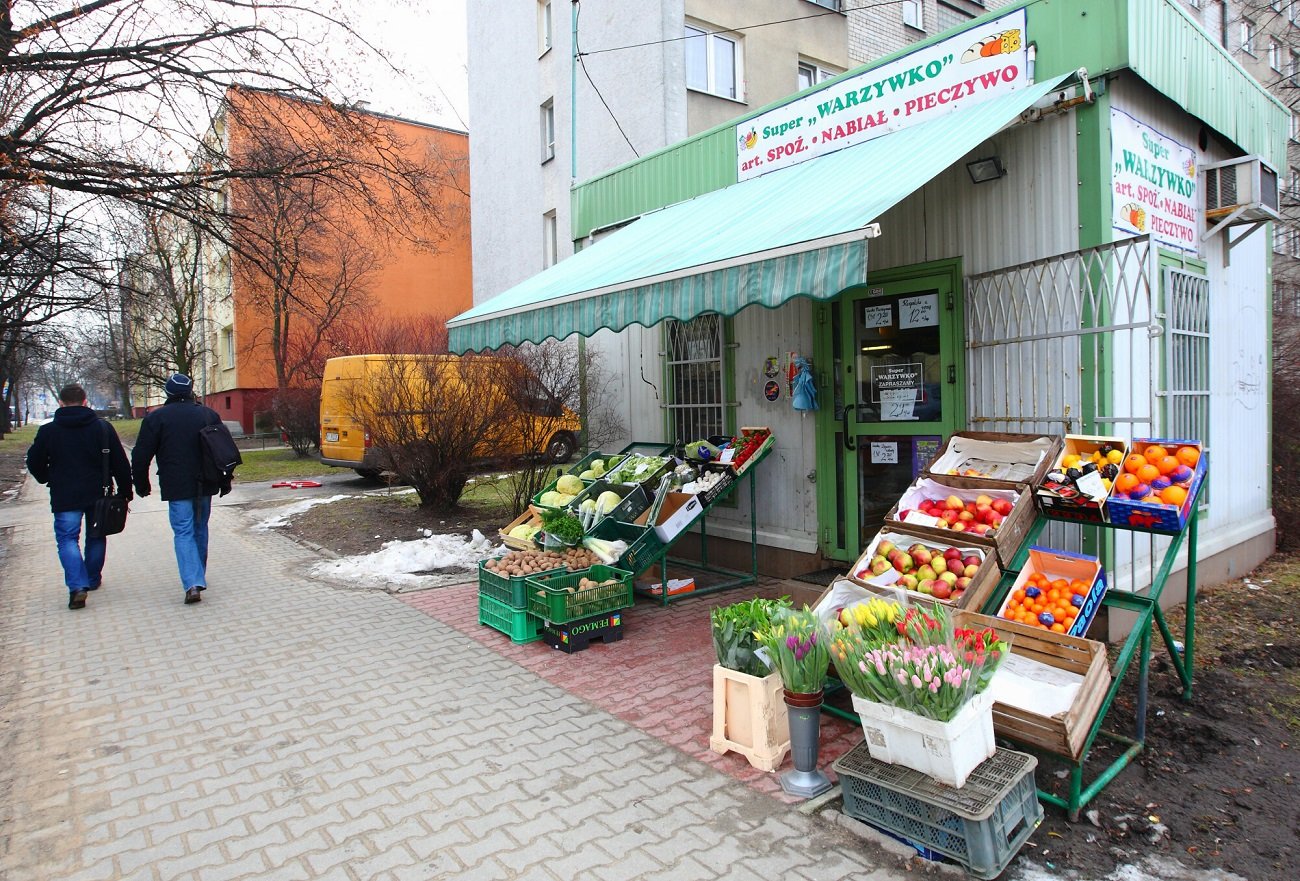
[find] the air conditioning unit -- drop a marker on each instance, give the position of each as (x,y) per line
(1242,190)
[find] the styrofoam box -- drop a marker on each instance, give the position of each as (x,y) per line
(678,512)
(947,751)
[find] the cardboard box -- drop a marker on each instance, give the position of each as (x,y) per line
(1004,542)
(1069,566)
(1080,509)
(678,512)
(977,593)
(995,459)
(1147,516)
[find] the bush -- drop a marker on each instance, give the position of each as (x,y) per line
(297,416)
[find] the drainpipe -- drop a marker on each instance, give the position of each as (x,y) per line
(573,94)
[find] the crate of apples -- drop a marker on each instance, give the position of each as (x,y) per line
(979,516)
(941,573)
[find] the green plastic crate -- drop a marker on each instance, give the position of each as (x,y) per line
(585,462)
(550,486)
(517,624)
(643,545)
(549,598)
(510,590)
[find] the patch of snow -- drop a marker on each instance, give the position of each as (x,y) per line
(282,516)
(1151,868)
(396,562)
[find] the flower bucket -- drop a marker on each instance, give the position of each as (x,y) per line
(805,712)
(947,751)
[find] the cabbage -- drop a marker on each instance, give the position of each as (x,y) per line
(589,474)
(569,484)
(598,466)
(550,499)
(588,505)
(524,531)
(607,502)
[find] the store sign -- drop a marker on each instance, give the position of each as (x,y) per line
(962,71)
(1153,184)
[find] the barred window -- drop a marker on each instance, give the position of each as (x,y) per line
(695,362)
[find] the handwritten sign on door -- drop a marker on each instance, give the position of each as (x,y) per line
(918,311)
(877,316)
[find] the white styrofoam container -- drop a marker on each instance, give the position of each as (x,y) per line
(672,524)
(947,751)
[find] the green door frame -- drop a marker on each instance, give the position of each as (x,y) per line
(947,276)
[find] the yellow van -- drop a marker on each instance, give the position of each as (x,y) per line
(345,443)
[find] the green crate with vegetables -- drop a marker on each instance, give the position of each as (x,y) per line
(634,468)
(560,492)
(643,545)
(568,596)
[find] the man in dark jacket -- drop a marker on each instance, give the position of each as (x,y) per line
(68,454)
(171,433)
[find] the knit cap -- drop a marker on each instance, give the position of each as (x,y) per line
(179,385)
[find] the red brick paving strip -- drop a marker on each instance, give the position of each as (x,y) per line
(659,677)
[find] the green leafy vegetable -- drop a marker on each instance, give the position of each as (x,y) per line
(563,526)
(733,633)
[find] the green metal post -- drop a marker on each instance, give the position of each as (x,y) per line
(1189,626)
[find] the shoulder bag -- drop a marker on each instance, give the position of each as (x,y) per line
(108,517)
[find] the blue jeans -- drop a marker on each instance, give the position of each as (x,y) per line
(79,572)
(189,519)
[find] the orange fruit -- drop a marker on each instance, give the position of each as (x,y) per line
(1174,495)
(1019,596)
(1125,482)
(1148,473)
(1134,462)
(1058,628)
(1080,586)
(1188,456)
(1060,584)
(1154,453)
(1168,464)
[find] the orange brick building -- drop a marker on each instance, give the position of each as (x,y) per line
(239,378)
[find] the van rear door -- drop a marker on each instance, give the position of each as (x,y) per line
(342,439)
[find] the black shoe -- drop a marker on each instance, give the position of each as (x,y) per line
(77,599)
(94,586)
(193,596)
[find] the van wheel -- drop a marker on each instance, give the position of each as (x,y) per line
(561,447)
(368,473)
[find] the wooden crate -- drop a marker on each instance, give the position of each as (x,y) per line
(749,717)
(979,442)
(1062,734)
(977,594)
(1005,542)
(1080,509)
(530,517)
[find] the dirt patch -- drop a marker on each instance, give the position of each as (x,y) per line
(362,524)
(1216,787)
(13,467)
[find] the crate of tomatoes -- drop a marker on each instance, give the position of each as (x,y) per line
(752,444)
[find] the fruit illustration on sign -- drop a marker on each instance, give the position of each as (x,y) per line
(1004,43)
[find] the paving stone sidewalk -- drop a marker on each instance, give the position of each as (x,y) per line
(286,729)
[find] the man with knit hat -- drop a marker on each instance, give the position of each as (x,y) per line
(171,434)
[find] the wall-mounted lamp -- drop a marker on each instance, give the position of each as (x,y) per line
(984,170)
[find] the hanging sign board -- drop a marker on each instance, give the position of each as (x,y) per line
(973,66)
(920,311)
(901,381)
(1153,184)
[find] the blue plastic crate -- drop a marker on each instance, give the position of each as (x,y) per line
(982,825)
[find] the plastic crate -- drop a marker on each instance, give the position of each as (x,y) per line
(982,825)
(643,546)
(549,598)
(510,590)
(576,636)
(537,499)
(517,624)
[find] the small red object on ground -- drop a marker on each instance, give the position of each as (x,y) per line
(295,484)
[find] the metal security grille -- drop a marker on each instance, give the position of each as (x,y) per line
(1056,341)
(696,408)
(1187,355)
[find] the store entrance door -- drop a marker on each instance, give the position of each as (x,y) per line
(896,378)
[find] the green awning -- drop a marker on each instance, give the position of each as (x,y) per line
(796,232)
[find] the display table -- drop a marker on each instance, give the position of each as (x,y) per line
(1145,605)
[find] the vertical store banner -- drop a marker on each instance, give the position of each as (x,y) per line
(1153,185)
(964,70)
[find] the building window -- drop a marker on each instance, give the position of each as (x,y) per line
(1247,36)
(913,14)
(1295,126)
(1292,67)
(227,402)
(550,240)
(696,381)
(811,73)
(548,130)
(1275,55)
(713,63)
(1293,183)
(1187,338)
(544,33)
(829,4)
(227,347)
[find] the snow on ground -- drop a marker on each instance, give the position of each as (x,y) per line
(420,563)
(282,516)
(1151,868)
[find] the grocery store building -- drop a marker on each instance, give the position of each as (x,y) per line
(1054,220)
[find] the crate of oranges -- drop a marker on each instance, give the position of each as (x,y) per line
(1157,485)
(1057,591)
(1078,484)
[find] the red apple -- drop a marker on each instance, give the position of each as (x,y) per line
(884,548)
(921,555)
(983,500)
(949,516)
(982,513)
(954,503)
(995,520)
(980,528)
(1002,506)
(971,560)
(970,571)
(941,591)
(952,554)
(962,583)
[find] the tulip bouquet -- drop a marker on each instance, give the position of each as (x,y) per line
(796,644)
(923,665)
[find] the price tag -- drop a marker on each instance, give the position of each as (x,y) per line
(727,455)
(878,316)
(1090,484)
(921,519)
(920,311)
(897,404)
(884,453)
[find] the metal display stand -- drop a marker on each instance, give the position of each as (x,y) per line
(734,578)
(1146,606)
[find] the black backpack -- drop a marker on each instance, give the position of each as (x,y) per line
(220,455)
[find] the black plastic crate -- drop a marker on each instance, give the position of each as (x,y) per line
(579,635)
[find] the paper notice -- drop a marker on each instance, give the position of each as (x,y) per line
(884,453)
(897,404)
(921,519)
(1034,686)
